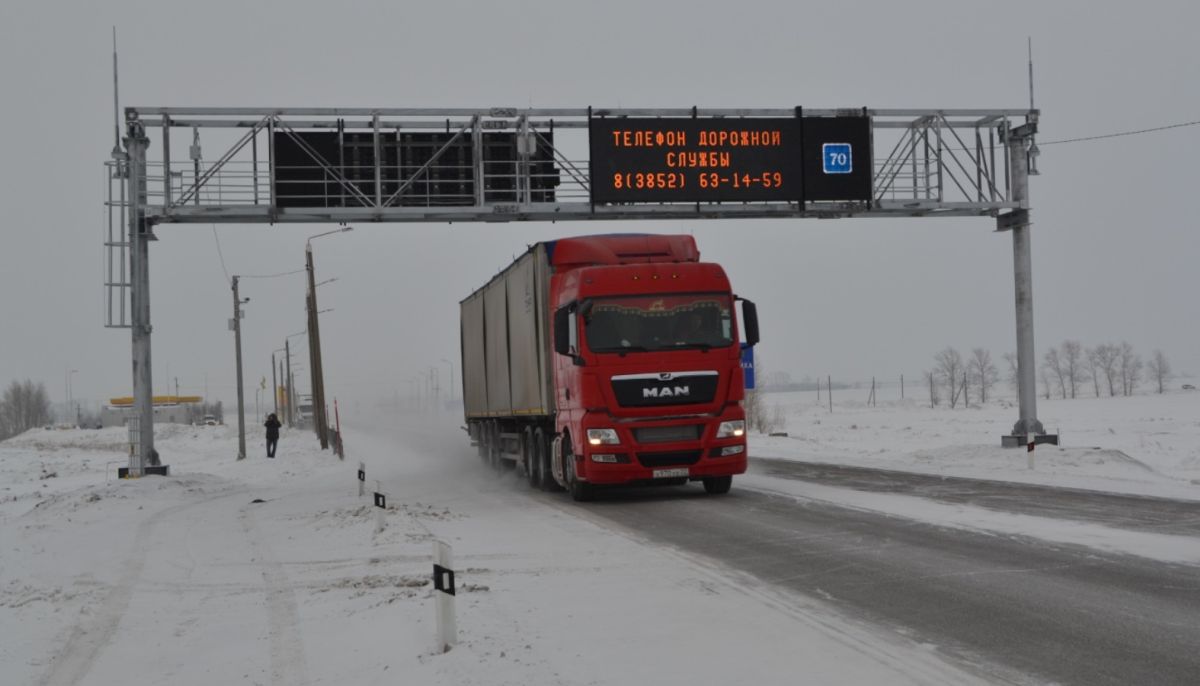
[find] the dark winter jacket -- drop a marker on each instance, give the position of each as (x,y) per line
(272,425)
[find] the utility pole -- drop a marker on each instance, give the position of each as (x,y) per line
(287,350)
(237,338)
(314,352)
(274,385)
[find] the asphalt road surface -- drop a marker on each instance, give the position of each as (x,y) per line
(1133,512)
(1021,609)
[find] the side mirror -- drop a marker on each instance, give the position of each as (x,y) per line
(562,333)
(750,322)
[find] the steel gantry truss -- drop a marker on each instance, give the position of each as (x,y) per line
(925,163)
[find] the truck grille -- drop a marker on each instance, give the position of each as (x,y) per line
(650,390)
(679,457)
(668,434)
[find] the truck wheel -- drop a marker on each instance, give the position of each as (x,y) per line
(718,484)
(545,473)
(481,442)
(530,457)
(580,491)
(494,447)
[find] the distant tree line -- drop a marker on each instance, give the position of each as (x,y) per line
(1112,366)
(1066,369)
(23,406)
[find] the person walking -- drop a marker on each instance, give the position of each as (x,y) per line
(272,425)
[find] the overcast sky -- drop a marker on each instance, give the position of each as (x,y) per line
(1116,250)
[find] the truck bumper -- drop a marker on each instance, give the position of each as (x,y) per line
(632,461)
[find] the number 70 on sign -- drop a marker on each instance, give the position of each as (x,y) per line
(837,158)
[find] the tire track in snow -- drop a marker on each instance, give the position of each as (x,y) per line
(289,665)
(92,635)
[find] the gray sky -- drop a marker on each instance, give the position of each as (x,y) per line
(1115,247)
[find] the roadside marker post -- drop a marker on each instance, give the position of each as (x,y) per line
(443,584)
(1030,442)
(380,509)
(362,479)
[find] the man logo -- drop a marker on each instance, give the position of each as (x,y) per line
(666,392)
(666,376)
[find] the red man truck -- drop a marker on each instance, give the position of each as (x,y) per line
(606,360)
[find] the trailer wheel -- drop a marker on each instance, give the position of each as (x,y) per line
(494,447)
(580,491)
(717,485)
(529,457)
(481,441)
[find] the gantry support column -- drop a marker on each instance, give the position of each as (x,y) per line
(1018,141)
(143,459)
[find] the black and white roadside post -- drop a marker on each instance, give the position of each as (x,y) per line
(443,584)
(380,507)
(362,479)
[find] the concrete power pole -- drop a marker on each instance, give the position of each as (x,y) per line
(274,385)
(287,380)
(314,353)
(237,338)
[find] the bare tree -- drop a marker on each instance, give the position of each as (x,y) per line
(1072,362)
(1053,364)
(983,371)
(1160,369)
(23,406)
(948,365)
(1091,362)
(1107,356)
(1130,365)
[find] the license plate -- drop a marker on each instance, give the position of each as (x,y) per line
(670,473)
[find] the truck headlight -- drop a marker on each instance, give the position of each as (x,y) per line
(603,437)
(734,429)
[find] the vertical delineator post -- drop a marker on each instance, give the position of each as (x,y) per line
(443,584)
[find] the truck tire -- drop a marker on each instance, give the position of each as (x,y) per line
(580,492)
(545,472)
(717,485)
(481,441)
(494,446)
(529,457)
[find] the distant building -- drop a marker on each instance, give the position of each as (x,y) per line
(168,409)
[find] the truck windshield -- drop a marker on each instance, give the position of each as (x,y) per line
(659,322)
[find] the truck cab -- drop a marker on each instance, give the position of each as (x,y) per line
(648,379)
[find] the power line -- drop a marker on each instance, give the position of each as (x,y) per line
(220,254)
(1123,133)
(274,276)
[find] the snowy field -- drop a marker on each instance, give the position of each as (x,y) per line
(193,580)
(1144,444)
(272,572)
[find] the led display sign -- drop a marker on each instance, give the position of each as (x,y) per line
(652,160)
(694,160)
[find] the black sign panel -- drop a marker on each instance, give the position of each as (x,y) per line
(837,158)
(695,160)
(308,165)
